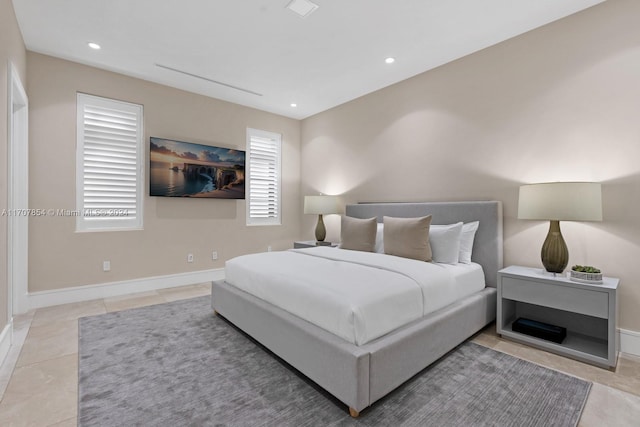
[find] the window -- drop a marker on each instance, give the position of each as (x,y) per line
(264,150)
(108,165)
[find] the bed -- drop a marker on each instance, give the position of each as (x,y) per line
(361,371)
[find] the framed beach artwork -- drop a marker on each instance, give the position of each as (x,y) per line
(185,169)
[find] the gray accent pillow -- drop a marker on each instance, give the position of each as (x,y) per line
(358,234)
(407,237)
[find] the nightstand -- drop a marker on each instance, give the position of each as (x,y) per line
(311,244)
(588,312)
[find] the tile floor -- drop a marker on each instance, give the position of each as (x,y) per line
(39,380)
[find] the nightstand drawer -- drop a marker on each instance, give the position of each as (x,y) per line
(590,303)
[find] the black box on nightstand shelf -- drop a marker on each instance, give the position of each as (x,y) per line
(540,330)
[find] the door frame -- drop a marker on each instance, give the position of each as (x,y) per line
(18,194)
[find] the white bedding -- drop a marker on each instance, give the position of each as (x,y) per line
(358,296)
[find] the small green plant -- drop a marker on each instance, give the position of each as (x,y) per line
(585,269)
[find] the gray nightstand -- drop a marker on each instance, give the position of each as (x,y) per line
(311,244)
(588,312)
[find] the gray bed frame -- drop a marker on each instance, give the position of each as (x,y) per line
(360,375)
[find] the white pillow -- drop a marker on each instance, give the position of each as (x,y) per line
(379,246)
(445,242)
(466,241)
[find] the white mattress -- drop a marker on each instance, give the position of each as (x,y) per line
(359,296)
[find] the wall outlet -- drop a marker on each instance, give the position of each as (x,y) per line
(214,255)
(189,257)
(106,266)
(269,248)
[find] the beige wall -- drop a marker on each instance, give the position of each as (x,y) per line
(11,50)
(558,103)
(59,257)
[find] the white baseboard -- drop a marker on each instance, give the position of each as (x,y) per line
(6,339)
(112,289)
(629,342)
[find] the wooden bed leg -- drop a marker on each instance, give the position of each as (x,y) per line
(353,412)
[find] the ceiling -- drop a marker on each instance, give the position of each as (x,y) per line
(265,56)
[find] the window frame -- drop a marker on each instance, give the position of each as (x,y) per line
(276,138)
(108,219)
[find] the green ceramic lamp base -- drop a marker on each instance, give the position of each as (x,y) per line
(555,255)
(321,232)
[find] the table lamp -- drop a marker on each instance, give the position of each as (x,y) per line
(555,202)
(320,205)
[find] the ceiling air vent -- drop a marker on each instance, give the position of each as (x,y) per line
(303,8)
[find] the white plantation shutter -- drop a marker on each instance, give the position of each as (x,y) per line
(109,164)
(264,199)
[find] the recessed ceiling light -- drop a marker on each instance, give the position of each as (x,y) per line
(303,8)
(390,60)
(93,45)
(293,104)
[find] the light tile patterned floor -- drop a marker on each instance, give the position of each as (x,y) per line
(42,389)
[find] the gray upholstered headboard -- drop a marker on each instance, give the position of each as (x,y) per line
(487,246)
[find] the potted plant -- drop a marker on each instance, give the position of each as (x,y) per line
(586,274)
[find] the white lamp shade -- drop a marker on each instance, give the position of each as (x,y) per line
(320,204)
(561,201)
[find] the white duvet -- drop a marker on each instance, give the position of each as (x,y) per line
(358,296)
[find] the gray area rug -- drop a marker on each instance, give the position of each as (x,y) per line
(177,364)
